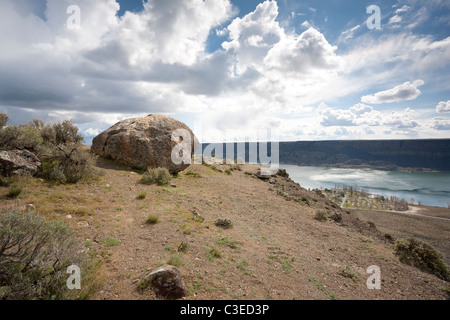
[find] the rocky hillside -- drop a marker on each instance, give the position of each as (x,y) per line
(273,248)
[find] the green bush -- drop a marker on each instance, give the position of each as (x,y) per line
(159,176)
(152,219)
(5,181)
(321,215)
(34,256)
(20,137)
(14,192)
(423,256)
(58,146)
(62,154)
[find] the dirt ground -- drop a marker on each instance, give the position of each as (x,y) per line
(430,224)
(275,249)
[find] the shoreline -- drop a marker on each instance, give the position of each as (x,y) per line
(371,167)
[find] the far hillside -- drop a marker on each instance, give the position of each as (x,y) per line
(414,155)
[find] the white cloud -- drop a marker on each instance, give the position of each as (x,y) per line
(405,8)
(441,124)
(405,91)
(395,19)
(362,115)
(443,106)
(91,132)
(349,33)
(302,54)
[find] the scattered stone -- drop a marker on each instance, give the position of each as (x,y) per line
(29,207)
(166,282)
(19,162)
(266,173)
(83,224)
(224,223)
(143,142)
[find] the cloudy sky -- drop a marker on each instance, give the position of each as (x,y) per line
(307,70)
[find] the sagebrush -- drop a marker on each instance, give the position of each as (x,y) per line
(159,176)
(34,256)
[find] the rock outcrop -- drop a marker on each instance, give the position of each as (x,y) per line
(19,162)
(145,142)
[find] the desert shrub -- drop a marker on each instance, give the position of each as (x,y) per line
(152,219)
(336,217)
(183,247)
(62,154)
(3,119)
(20,137)
(34,256)
(58,146)
(321,215)
(423,256)
(141,196)
(5,181)
(192,173)
(159,176)
(224,223)
(13,192)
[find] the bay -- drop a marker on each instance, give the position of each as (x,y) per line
(430,188)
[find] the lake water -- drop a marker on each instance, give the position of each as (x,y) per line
(431,188)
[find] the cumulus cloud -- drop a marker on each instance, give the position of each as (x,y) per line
(301,54)
(441,124)
(364,115)
(405,91)
(443,106)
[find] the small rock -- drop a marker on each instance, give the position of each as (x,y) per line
(83,224)
(166,282)
(69,216)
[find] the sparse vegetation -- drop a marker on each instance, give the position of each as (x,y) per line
(224,223)
(58,146)
(34,256)
(243,266)
(13,192)
(158,176)
(192,173)
(152,219)
(321,215)
(349,273)
(183,247)
(111,242)
(422,255)
(141,196)
(213,253)
(229,242)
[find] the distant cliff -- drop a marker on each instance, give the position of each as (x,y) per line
(431,154)
(382,154)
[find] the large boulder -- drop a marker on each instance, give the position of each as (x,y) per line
(144,142)
(19,162)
